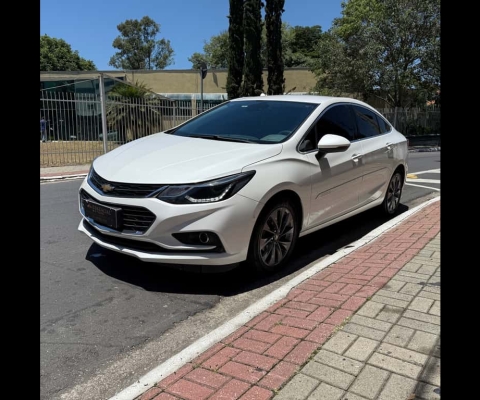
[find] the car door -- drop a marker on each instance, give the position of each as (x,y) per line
(335,177)
(376,154)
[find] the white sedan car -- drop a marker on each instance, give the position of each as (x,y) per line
(243,181)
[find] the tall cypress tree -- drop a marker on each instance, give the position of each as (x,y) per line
(252,76)
(235,49)
(275,67)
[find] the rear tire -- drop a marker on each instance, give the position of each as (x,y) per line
(392,196)
(274,237)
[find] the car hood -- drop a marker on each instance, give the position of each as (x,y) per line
(166,158)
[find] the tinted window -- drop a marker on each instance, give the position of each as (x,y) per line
(366,122)
(337,120)
(261,121)
(310,141)
(384,125)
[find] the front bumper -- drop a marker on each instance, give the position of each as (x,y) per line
(232,220)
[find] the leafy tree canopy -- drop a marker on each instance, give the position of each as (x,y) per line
(236,48)
(136,90)
(253,65)
(299,45)
(215,52)
(386,48)
(275,66)
(138,47)
(57,55)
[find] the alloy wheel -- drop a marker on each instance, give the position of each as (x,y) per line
(276,236)
(393,193)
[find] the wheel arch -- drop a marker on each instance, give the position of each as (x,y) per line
(295,200)
(293,197)
(401,168)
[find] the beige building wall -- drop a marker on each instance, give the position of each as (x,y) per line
(188,81)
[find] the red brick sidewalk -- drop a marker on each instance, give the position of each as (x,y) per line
(261,356)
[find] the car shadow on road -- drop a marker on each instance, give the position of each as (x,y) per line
(161,278)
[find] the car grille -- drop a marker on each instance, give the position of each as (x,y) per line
(131,190)
(136,244)
(135,219)
(124,242)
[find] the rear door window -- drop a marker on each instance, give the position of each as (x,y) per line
(367,122)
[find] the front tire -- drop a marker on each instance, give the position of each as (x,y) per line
(274,237)
(392,196)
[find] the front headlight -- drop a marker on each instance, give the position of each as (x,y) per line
(90,171)
(206,192)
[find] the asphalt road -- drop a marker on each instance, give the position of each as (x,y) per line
(424,175)
(107,319)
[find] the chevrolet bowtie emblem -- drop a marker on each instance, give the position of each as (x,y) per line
(106,187)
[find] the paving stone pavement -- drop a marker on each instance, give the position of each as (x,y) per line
(366,327)
(388,350)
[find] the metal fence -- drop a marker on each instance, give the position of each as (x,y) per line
(75,129)
(414,121)
(74,133)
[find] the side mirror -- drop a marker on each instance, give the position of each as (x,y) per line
(333,144)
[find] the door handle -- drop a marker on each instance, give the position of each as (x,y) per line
(389,146)
(356,157)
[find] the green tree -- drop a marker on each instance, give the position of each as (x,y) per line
(385,48)
(235,49)
(57,55)
(139,48)
(135,90)
(216,49)
(301,44)
(197,59)
(215,52)
(273,25)
(338,73)
(252,72)
(133,110)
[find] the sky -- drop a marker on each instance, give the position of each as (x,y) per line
(90,26)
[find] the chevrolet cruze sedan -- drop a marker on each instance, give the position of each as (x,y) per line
(243,181)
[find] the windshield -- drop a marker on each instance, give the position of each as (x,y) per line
(256,121)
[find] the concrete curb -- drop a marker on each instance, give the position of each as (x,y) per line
(424,149)
(62,177)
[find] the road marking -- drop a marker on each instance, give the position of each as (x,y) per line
(189,353)
(421,186)
(424,180)
(430,171)
(414,178)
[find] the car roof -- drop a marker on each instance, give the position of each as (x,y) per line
(301,98)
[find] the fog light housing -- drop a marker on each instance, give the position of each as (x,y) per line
(203,238)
